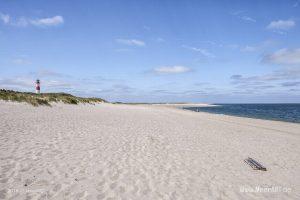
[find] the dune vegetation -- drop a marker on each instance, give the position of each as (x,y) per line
(45,98)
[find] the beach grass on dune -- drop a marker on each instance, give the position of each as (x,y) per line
(45,98)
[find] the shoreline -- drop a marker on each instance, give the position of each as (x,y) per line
(245,116)
(247,121)
(188,106)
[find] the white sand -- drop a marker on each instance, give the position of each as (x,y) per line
(142,152)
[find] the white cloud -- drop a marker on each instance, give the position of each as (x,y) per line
(247,18)
(172,69)
(284,56)
(204,52)
(5,18)
(51,81)
(21,22)
(258,47)
(16,82)
(131,42)
(281,25)
(240,15)
(285,77)
(24,21)
(51,21)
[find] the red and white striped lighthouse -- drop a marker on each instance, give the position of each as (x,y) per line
(37,86)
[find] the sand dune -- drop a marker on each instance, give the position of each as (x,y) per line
(111,151)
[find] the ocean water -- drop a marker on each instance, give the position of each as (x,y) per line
(280,112)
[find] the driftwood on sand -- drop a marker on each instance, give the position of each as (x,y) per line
(254,164)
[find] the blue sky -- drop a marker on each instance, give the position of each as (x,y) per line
(154,51)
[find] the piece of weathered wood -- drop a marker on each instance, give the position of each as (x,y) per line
(254,164)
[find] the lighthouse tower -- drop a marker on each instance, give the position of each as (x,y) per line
(37,87)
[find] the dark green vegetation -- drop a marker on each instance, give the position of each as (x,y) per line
(45,98)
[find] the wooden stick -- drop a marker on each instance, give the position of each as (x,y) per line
(254,164)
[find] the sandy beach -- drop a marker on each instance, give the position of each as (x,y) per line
(110,151)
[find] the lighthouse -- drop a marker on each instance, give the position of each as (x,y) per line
(37,86)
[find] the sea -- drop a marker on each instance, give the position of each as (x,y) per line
(279,112)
